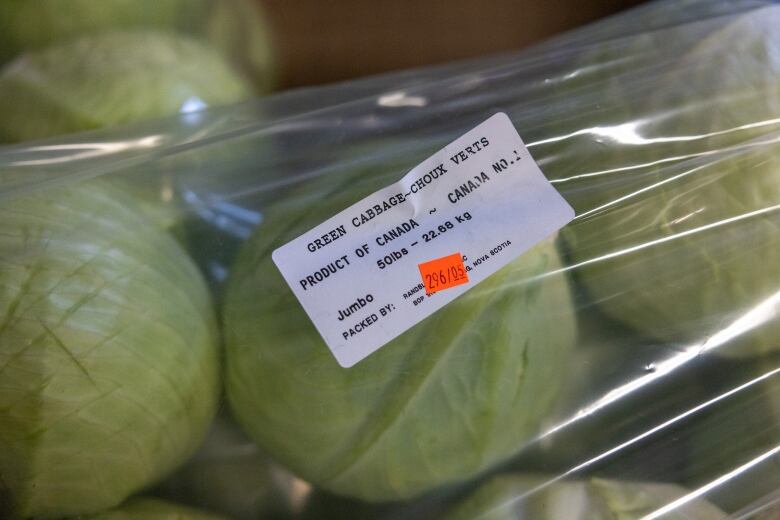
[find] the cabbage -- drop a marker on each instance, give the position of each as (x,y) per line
(510,497)
(701,275)
(33,24)
(231,475)
(153,509)
(110,79)
(740,428)
(453,395)
(239,29)
(108,358)
(618,113)
(475,379)
(681,241)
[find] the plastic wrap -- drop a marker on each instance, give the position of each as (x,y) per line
(627,368)
(74,65)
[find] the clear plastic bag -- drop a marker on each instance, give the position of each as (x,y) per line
(627,367)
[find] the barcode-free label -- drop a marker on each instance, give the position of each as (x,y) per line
(443,273)
(361,275)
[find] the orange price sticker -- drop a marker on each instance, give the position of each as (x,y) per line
(443,273)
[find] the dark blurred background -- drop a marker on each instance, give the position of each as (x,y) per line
(68,66)
(319,42)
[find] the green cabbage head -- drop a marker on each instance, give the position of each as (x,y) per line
(239,29)
(684,245)
(739,429)
(695,262)
(109,79)
(108,352)
(34,24)
(458,392)
(230,474)
(153,509)
(512,497)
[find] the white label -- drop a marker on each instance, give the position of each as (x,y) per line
(357,274)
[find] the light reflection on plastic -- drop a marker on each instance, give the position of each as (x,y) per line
(401,99)
(710,486)
(673,420)
(626,133)
(633,194)
(669,238)
(599,68)
(652,431)
(675,158)
(191,110)
(231,218)
(682,219)
(89,150)
(192,104)
(765,311)
(652,243)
